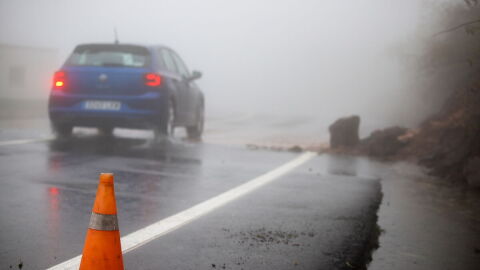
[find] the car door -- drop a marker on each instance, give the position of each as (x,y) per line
(188,91)
(177,84)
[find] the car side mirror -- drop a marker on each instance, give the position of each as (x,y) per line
(195,75)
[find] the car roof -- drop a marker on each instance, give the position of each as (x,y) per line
(158,46)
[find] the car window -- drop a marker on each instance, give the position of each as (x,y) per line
(109,55)
(159,59)
(182,68)
(168,60)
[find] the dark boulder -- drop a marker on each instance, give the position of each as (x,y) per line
(384,143)
(344,132)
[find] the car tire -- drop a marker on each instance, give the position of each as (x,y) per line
(195,132)
(166,128)
(62,130)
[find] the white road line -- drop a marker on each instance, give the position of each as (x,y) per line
(14,142)
(143,236)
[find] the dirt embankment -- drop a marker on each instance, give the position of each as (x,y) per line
(449,142)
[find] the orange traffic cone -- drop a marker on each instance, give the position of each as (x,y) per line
(102,248)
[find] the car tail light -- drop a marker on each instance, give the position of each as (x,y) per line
(152,79)
(59,80)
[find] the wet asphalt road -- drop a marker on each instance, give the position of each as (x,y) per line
(317,216)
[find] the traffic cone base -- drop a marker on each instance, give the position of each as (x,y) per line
(103,252)
(102,248)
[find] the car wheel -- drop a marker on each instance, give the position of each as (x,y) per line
(106,131)
(167,125)
(195,132)
(62,130)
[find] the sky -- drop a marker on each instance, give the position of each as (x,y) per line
(323,59)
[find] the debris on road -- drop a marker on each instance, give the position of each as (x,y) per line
(263,236)
(448,143)
(382,144)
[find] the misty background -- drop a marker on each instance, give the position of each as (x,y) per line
(314,60)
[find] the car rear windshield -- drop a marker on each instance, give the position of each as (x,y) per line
(109,56)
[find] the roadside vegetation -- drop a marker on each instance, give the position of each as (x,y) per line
(448,141)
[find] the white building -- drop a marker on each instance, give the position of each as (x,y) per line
(26,72)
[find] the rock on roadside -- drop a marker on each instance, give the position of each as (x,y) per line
(384,143)
(344,132)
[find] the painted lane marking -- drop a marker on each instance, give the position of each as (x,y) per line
(15,142)
(143,236)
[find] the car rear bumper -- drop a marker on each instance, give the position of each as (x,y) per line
(141,111)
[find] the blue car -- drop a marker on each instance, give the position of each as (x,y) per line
(129,86)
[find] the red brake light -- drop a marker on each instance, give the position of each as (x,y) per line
(53,190)
(59,79)
(152,79)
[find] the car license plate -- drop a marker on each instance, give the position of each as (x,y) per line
(102,105)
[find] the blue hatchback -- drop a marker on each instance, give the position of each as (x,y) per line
(129,86)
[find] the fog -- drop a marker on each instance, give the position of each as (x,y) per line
(319,59)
